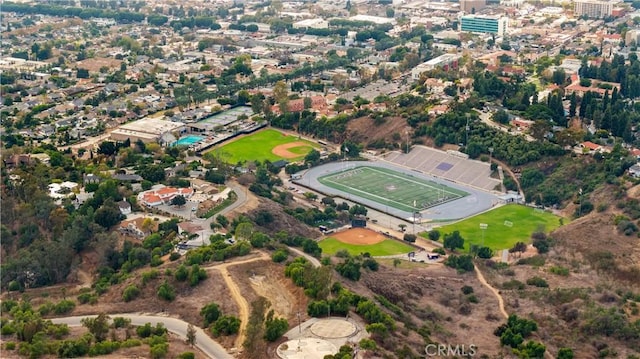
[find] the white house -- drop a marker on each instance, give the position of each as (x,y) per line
(125,207)
(634,171)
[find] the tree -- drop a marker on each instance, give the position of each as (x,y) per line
(500,116)
(485,252)
(191,335)
(98,326)
(565,353)
(559,77)
(453,241)
(226,325)
(434,235)
(519,247)
(107,148)
(244,231)
(178,200)
(274,327)
(281,95)
(210,313)
(166,292)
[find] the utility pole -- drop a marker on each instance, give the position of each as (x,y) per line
(466,143)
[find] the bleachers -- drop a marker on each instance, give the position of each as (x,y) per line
(465,171)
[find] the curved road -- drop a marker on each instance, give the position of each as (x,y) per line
(203,342)
(313,260)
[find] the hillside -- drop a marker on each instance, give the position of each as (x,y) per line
(590,303)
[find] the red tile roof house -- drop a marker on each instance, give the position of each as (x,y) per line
(318,103)
(589,147)
(163,195)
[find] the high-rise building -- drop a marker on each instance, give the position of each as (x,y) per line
(472,6)
(596,9)
(486,24)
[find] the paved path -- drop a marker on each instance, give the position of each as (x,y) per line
(234,290)
(313,260)
(208,346)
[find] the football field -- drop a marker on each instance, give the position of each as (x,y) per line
(391,188)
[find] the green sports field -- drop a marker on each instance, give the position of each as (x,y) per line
(385,248)
(391,188)
(506,225)
(258,147)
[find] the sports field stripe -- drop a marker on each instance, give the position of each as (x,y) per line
(413,181)
(370,194)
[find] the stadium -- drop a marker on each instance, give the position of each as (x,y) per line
(423,185)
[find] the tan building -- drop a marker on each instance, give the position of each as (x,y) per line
(472,6)
(148,130)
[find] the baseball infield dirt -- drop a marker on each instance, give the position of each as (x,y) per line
(359,236)
(283,150)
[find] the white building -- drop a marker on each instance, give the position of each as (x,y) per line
(594,8)
(446,62)
(311,23)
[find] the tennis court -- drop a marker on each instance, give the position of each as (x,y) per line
(391,188)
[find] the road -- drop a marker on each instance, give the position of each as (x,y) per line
(485,117)
(243,306)
(203,342)
(313,260)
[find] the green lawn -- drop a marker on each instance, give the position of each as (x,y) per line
(258,146)
(385,248)
(525,220)
(391,188)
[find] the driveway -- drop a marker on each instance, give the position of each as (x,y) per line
(208,346)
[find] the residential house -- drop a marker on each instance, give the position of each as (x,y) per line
(589,147)
(89,178)
(163,195)
(634,171)
(125,207)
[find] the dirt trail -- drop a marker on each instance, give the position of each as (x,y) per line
(243,306)
(492,289)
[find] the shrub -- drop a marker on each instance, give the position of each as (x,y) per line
(8,329)
(559,270)
(279,256)
(225,325)
(537,282)
(159,351)
(196,275)
(182,273)
(9,346)
(371,264)
(85,298)
(187,355)
(513,284)
(440,251)
(166,292)
(174,256)
(434,235)
(130,293)
(472,298)
(485,252)
(463,263)
(64,306)
(409,237)
(120,322)
(156,261)
(536,261)
(210,313)
(467,289)
(149,276)
(104,348)
(274,328)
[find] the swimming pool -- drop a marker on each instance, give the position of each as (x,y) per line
(188,140)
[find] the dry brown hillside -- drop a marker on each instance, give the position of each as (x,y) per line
(592,271)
